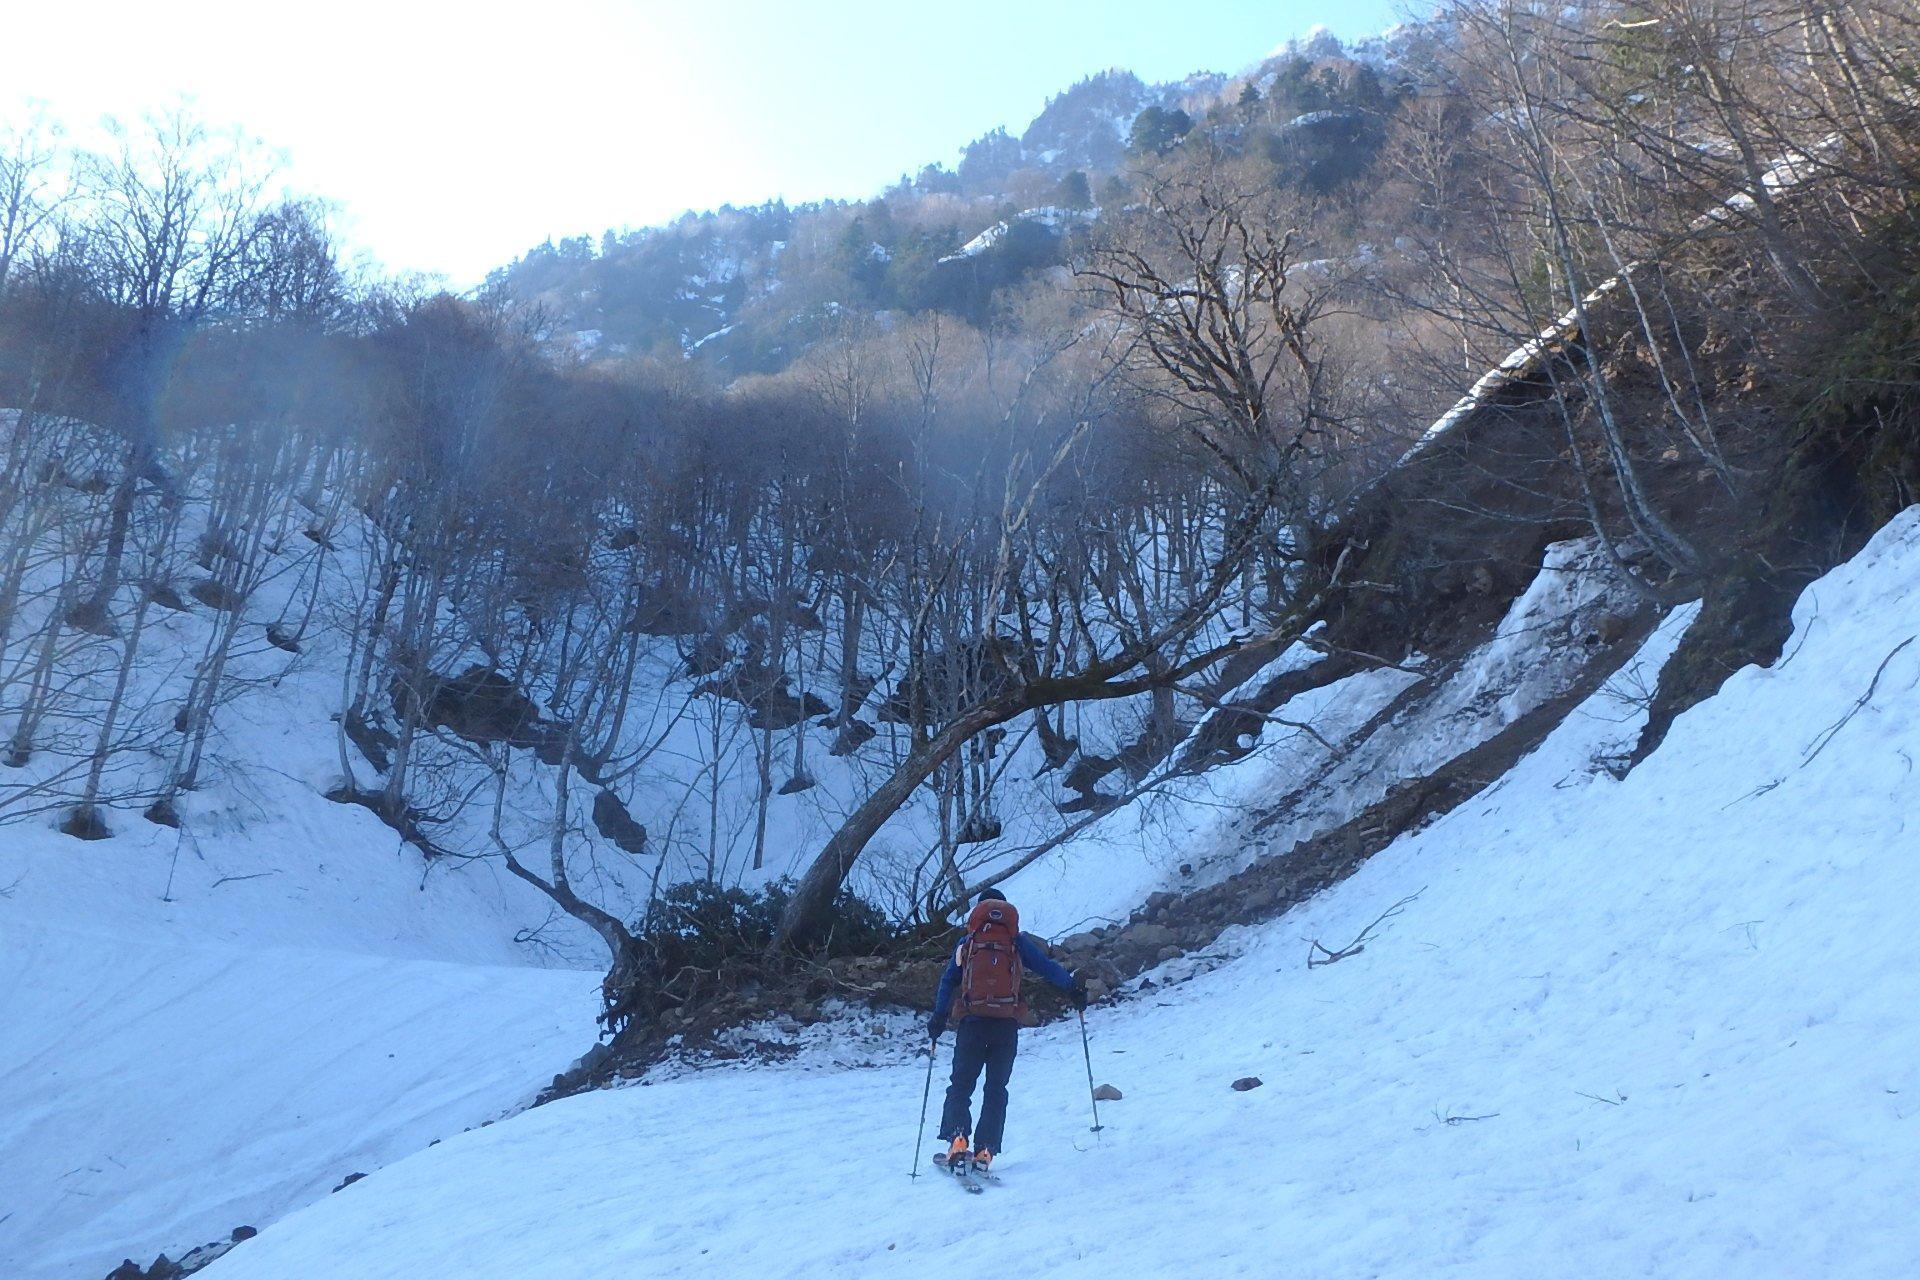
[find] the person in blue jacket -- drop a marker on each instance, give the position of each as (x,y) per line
(984,974)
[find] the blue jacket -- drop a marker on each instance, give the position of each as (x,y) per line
(1030,955)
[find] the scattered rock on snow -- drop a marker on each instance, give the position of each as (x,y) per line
(352,1178)
(165,1268)
(1245,1083)
(1106,1093)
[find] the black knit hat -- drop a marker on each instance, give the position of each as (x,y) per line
(992,895)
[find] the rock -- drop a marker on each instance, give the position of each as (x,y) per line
(375,743)
(214,547)
(1200,937)
(1096,990)
(163,1268)
(164,595)
(593,1058)
(1613,628)
(1160,901)
(1088,802)
(1245,1083)
(549,744)
(1088,770)
(1153,936)
(479,704)
(349,1180)
(668,610)
(980,828)
(215,594)
(281,638)
(243,1233)
(1169,952)
(852,736)
(611,819)
(710,654)
(1107,1093)
(1055,748)
(1080,941)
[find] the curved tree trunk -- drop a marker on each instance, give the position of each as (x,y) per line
(808,910)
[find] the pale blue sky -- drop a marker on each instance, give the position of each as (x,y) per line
(457,133)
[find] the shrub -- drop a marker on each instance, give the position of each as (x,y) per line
(703,925)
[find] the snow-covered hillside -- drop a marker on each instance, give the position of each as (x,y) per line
(202,1032)
(1667,1025)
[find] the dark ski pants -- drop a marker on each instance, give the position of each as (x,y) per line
(977,1043)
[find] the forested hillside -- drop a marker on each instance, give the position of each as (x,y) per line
(1159,513)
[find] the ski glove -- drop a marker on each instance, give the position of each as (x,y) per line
(937,1027)
(1079,996)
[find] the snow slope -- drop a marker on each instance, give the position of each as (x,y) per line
(1662,1026)
(203,1037)
(1221,821)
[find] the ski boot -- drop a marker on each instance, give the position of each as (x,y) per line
(954,1158)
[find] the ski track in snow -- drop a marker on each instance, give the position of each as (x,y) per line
(1667,1026)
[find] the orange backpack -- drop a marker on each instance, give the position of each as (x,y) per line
(989,960)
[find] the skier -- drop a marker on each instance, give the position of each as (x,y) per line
(985,974)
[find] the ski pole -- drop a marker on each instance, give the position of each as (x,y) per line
(925,1094)
(1087,1053)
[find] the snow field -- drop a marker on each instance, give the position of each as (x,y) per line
(1666,1026)
(202,1032)
(158,1097)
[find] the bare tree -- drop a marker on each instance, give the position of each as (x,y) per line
(1203,314)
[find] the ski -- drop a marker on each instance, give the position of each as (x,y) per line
(962,1173)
